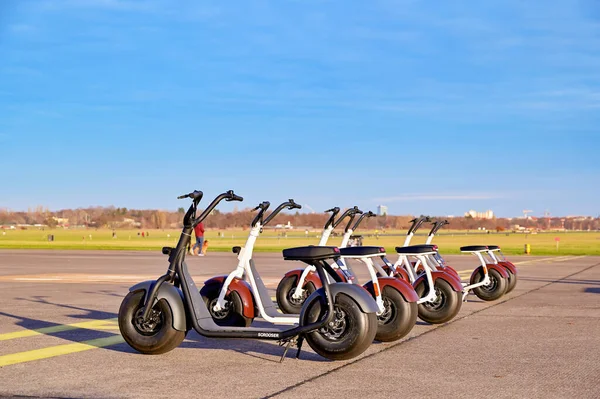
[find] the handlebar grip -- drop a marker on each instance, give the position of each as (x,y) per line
(334,209)
(293,204)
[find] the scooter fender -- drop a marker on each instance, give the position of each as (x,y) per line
(449,278)
(242,288)
(172,295)
(509,266)
(310,277)
(404,288)
(363,298)
(500,269)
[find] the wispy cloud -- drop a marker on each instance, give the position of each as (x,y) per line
(437,197)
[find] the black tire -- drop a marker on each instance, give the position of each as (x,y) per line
(233,315)
(352,335)
(444,308)
(494,290)
(512,281)
(398,318)
(152,338)
(284,292)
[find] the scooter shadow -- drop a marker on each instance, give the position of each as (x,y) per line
(264,350)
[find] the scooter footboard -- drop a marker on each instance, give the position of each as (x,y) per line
(172,295)
(363,298)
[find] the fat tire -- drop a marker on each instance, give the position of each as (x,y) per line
(283,292)
(164,340)
(451,306)
(235,316)
(499,289)
(512,281)
(403,318)
(358,336)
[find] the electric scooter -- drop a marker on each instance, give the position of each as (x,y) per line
(488,292)
(497,257)
(396,299)
(338,321)
(297,285)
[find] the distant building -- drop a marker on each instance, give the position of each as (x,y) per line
(480,215)
(382,210)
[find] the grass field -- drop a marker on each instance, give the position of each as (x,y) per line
(571,243)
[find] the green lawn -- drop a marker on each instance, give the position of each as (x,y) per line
(571,243)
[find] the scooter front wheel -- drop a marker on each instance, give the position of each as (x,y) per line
(284,294)
(512,281)
(154,336)
(233,313)
(494,290)
(444,307)
(398,317)
(349,333)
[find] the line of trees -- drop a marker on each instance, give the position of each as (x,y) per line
(116,218)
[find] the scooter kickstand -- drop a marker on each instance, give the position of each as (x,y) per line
(290,342)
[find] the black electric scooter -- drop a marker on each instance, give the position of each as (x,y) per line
(338,320)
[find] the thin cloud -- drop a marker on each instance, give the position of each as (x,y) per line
(436,197)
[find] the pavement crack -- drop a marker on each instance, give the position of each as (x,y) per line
(343,366)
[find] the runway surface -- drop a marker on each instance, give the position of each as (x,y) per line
(59,337)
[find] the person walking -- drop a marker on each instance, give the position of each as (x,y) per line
(199,231)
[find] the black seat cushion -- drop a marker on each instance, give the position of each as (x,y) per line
(311,253)
(474,248)
(493,247)
(362,251)
(417,249)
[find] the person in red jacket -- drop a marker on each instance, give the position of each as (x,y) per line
(199,231)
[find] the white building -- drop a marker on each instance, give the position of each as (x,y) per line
(382,210)
(480,215)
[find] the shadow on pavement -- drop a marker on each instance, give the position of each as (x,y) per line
(250,347)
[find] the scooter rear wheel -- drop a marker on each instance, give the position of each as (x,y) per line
(398,318)
(285,289)
(494,290)
(349,333)
(446,305)
(153,337)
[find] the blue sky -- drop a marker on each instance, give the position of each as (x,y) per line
(430,107)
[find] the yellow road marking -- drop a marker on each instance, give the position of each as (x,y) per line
(58,350)
(108,324)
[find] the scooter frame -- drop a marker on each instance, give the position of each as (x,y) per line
(330,225)
(246,269)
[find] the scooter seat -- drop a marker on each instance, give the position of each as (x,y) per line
(474,248)
(493,247)
(311,253)
(362,251)
(416,249)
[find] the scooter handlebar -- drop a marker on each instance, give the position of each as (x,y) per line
(233,196)
(193,195)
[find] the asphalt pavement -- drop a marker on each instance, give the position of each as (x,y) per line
(59,337)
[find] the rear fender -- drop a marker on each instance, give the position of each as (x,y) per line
(449,278)
(172,295)
(362,297)
(242,288)
(405,289)
(500,269)
(509,266)
(310,277)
